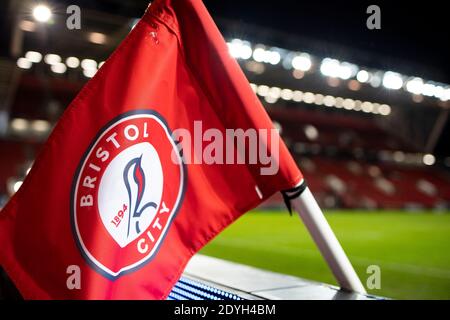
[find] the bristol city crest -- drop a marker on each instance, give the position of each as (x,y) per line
(127,190)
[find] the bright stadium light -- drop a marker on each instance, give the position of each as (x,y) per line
(287,94)
(58,67)
(270,99)
(52,58)
(438,91)
(375,79)
(19,124)
(33,56)
(428,159)
(415,85)
(384,110)
(330,67)
(339,102)
(263,90)
(42,13)
(24,63)
(40,125)
(72,62)
(89,64)
(89,73)
(318,99)
(349,104)
(362,76)
(367,107)
(274,93)
(17,185)
(329,101)
(259,54)
(428,89)
(345,70)
(446,95)
(273,57)
(309,97)
(297,96)
(392,80)
(302,62)
(240,49)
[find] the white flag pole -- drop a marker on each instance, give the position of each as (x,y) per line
(314,220)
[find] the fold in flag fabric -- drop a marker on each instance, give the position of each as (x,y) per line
(124,191)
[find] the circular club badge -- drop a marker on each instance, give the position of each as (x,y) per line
(127,190)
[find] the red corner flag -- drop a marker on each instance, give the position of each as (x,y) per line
(144,167)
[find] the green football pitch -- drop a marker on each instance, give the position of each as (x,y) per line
(411,249)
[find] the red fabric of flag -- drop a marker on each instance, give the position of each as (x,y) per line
(109,197)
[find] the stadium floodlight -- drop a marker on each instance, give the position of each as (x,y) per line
(362,76)
(273,56)
(415,85)
(428,159)
(33,56)
(318,99)
(287,94)
(302,62)
(42,13)
(392,80)
(19,124)
(40,126)
(345,70)
(428,89)
(348,104)
(274,93)
(384,110)
(89,73)
(17,185)
(262,90)
(446,95)
(308,97)
(24,63)
(438,91)
(329,101)
(89,64)
(367,107)
(58,67)
(375,79)
(72,62)
(259,54)
(297,96)
(270,99)
(330,67)
(240,49)
(52,58)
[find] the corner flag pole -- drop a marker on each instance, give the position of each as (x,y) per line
(309,211)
